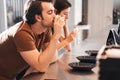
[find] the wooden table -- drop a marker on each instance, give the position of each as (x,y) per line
(61,71)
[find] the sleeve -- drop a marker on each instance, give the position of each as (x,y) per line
(24,41)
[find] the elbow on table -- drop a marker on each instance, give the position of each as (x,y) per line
(42,69)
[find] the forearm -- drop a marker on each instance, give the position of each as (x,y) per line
(47,56)
(63,44)
(41,61)
(66,31)
(61,38)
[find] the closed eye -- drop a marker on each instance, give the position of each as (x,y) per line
(51,11)
(66,13)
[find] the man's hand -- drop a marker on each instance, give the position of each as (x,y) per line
(58,26)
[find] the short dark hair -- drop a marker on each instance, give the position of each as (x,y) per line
(61,5)
(33,7)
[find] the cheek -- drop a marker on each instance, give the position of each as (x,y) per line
(66,17)
(61,14)
(49,20)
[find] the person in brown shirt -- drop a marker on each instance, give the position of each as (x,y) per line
(22,44)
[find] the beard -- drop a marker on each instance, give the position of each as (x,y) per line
(47,25)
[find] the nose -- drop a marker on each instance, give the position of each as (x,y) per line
(54,13)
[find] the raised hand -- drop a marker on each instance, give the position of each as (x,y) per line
(58,26)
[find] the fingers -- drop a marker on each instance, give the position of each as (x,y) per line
(73,33)
(60,20)
(58,25)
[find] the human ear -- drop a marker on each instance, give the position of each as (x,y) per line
(38,18)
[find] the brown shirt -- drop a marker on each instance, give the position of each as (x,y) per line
(18,38)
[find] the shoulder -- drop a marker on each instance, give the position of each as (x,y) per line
(24,30)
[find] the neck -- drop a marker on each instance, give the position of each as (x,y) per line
(38,29)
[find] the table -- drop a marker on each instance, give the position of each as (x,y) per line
(61,71)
